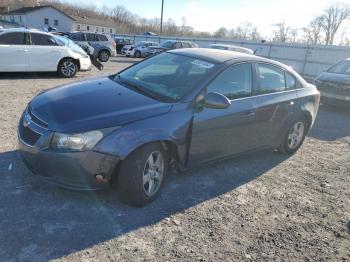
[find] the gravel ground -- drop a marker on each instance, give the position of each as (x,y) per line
(259,207)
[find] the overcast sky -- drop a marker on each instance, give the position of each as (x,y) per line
(209,15)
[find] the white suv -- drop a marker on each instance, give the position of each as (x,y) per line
(29,50)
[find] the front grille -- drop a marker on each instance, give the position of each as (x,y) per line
(37,120)
(27,135)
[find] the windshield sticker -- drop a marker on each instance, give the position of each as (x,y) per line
(202,64)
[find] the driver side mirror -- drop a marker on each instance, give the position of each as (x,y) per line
(215,101)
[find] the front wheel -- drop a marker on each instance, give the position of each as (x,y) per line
(67,68)
(103,56)
(142,173)
(294,136)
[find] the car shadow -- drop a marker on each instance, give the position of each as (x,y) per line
(332,123)
(43,222)
(28,75)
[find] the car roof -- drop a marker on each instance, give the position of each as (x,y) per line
(23,30)
(221,56)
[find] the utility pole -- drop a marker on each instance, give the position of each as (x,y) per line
(161,19)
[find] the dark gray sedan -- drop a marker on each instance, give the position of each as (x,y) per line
(334,85)
(183,107)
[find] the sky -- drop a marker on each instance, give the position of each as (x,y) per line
(209,15)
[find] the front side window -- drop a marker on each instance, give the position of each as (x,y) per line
(341,68)
(235,82)
(166,77)
(12,39)
(46,21)
(43,40)
(271,79)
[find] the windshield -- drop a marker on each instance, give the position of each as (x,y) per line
(64,41)
(166,77)
(167,44)
(341,68)
(218,47)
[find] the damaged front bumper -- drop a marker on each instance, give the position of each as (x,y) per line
(87,170)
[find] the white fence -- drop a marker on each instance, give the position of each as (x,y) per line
(307,60)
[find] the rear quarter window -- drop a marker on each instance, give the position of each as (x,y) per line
(102,38)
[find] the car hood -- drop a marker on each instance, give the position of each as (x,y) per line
(336,78)
(93,104)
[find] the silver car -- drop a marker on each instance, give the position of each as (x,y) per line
(139,49)
(233,48)
(106,44)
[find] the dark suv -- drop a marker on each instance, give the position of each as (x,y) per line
(121,42)
(106,43)
(169,45)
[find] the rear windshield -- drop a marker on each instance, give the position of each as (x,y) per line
(342,67)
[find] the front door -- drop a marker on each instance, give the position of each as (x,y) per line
(218,133)
(44,53)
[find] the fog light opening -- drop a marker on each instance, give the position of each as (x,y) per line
(101,179)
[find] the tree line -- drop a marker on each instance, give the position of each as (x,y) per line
(322,29)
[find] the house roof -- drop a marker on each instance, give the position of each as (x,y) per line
(25,10)
(78,19)
(94,21)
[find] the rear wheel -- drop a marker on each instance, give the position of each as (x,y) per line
(294,136)
(67,68)
(142,173)
(103,56)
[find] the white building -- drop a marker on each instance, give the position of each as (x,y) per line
(41,17)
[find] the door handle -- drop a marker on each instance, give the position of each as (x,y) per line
(249,114)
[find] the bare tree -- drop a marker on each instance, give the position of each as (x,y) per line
(313,31)
(331,20)
(281,33)
(221,33)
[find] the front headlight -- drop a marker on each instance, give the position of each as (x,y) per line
(76,142)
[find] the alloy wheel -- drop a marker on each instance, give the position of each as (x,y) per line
(153,173)
(68,68)
(296,135)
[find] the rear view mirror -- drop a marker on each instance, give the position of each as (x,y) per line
(215,101)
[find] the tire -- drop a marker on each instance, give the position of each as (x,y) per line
(103,56)
(138,182)
(294,136)
(137,54)
(67,68)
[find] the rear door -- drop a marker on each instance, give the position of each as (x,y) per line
(14,52)
(218,133)
(44,52)
(276,101)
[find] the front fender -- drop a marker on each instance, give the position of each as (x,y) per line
(173,127)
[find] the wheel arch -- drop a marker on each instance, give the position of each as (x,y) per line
(68,57)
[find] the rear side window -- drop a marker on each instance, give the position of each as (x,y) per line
(102,38)
(90,37)
(271,79)
(186,45)
(291,83)
(43,40)
(12,39)
(235,82)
